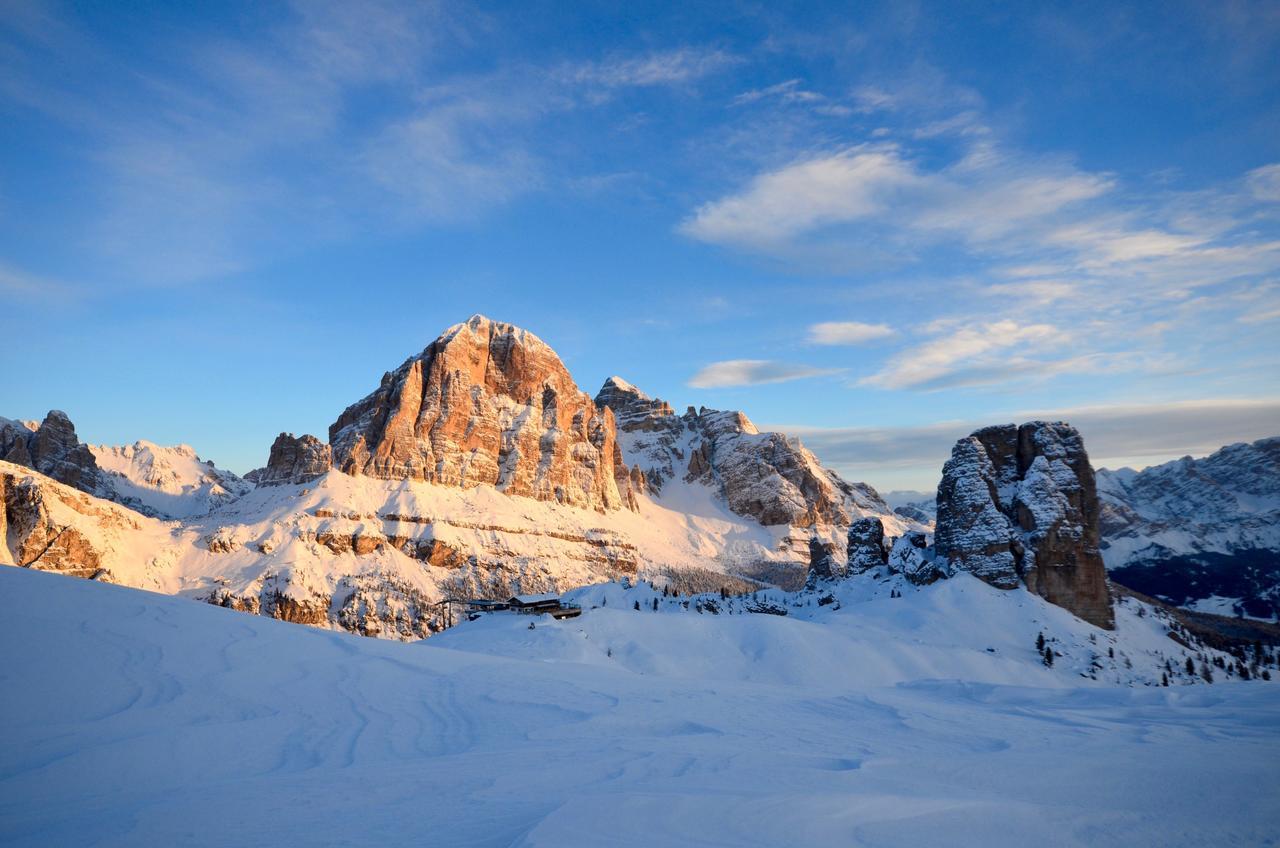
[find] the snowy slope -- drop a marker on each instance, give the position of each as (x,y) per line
(139,719)
(375,556)
(167,482)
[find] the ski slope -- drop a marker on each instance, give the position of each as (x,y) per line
(134,718)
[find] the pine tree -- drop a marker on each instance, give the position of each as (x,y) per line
(1266,675)
(1191,667)
(1040,643)
(655,604)
(637,606)
(1048,657)
(1206,672)
(1111,652)
(1164,680)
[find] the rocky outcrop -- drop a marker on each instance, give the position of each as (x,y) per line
(53,449)
(866,545)
(485,403)
(824,566)
(1019,505)
(293,459)
(36,532)
(912,558)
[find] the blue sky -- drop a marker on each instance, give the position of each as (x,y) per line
(874,226)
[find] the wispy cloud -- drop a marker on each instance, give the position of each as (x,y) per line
(1264,182)
(966,355)
(752,372)
(847,332)
(983,196)
(666,67)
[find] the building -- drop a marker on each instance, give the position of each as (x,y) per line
(545,604)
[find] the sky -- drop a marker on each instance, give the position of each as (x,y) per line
(873,226)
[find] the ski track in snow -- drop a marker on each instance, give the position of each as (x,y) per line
(140,719)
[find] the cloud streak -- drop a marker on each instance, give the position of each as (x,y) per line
(847,332)
(752,372)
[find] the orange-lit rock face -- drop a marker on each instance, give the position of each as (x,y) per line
(486,403)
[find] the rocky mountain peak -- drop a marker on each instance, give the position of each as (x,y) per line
(53,449)
(1019,504)
(485,403)
(632,408)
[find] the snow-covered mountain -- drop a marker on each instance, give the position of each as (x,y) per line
(476,468)
(166,482)
(1203,533)
(928,718)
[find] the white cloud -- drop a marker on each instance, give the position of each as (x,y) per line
(779,205)
(982,196)
(752,372)
(965,355)
(847,332)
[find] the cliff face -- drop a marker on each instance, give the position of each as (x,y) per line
(485,403)
(1020,504)
(293,459)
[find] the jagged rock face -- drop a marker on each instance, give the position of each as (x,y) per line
(911,557)
(866,545)
(632,408)
(54,450)
(1020,504)
(823,564)
(764,476)
(299,459)
(486,403)
(32,535)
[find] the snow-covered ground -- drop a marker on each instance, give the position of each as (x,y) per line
(140,719)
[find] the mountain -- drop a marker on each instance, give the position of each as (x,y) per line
(165,482)
(486,403)
(766,477)
(1201,533)
(477,468)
